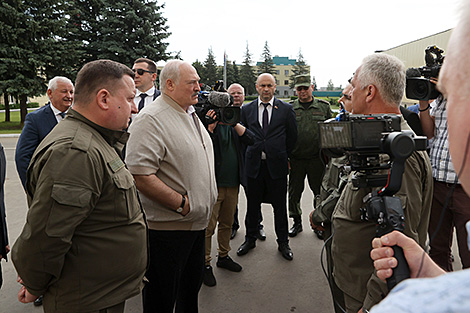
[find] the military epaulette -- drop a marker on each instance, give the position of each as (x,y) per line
(324,101)
(82,139)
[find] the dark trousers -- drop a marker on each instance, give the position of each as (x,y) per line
(175,271)
(265,189)
(236,223)
(456,215)
(299,168)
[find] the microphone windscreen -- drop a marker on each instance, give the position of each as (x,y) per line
(220,99)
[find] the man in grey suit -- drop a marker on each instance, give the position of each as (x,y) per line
(39,123)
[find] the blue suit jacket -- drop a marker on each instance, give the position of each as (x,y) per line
(36,126)
(278,142)
(3,223)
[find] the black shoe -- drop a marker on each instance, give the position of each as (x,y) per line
(245,247)
(209,279)
(234,233)
(228,264)
(286,251)
(296,228)
(320,234)
(261,235)
(38,301)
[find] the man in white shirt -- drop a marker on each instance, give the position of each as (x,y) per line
(145,75)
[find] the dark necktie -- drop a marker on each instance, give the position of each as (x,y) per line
(265,118)
(62,114)
(142,101)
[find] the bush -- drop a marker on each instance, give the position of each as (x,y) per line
(14,106)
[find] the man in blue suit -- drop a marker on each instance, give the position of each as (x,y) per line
(40,122)
(266,161)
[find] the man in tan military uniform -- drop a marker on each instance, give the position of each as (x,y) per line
(84,245)
(305,158)
(378,87)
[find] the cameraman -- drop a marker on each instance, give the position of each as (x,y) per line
(378,87)
(434,121)
(227,141)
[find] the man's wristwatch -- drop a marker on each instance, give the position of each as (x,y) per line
(180,209)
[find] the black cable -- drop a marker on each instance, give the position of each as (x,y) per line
(327,275)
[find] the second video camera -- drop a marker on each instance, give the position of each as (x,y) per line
(418,83)
(222,104)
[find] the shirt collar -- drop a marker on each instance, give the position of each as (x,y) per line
(270,101)
(111,136)
(149,92)
(55,110)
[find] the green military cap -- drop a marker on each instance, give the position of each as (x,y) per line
(302,80)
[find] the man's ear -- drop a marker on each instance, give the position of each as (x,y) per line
(170,85)
(102,99)
(371,93)
(49,93)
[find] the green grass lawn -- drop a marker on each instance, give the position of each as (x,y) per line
(12,127)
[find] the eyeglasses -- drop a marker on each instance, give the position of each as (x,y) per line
(302,88)
(141,71)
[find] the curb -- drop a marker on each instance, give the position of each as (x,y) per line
(9,135)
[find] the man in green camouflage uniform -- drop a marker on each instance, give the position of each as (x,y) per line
(305,159)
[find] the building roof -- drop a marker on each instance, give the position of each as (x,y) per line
(280,61)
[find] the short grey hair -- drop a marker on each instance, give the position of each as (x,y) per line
(53,82)
(238,85)
(387,73)
(170,71)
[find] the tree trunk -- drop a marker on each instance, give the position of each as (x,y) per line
(23,108)
(7,107)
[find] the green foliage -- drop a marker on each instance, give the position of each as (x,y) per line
(121,30)
(210,70)
(40,39)
(34,45)
(247,75)
(330,85)
(299,68)
(267,65)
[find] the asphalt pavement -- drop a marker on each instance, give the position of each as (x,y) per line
(267,284)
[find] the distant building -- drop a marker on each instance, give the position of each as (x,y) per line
(283,67)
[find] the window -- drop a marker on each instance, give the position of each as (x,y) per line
(277,72)
(286,93)
(286,82)
(286,72)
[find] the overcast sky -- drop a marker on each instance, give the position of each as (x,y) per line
(333,35)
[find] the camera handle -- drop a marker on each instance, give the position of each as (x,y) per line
(388,213)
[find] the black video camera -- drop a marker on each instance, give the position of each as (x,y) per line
(222,104)
(364,139)
(421,88)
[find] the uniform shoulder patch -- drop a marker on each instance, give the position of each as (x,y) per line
(323,101)
(82,139)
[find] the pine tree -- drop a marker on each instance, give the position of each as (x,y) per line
(314,82)
(210,68)
(121,30)
(299,68)
(247,75)
(267,65)
(201,71)
(330,85)
(236,72)
(34,46)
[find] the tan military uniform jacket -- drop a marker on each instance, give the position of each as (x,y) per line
(84,245)
(352,237)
